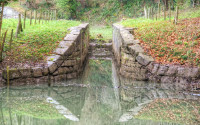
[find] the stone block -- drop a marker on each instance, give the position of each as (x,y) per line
(167,79)
(70,50)
(71,37)
(155,68)
(2,82)
(144,59)
(63,70)
(76,67)
(25,73)
(55,73)
(53,58)
(129,69)
(71,69)
(84,25)
(65,44)
(13,74)
(71,75)
(128,57)
(154,78)
(172,70)
(193,72)
(150,66)
(37,72)
(61,51)
(181,80)
(143,71)
(18,82)
(135,49)
(75,32)
(127,39)
(41,80)
(69,63)
(182,71)
(45,71)
(52,68)
(181,83)
(59,62)
(162,70)
(60,77)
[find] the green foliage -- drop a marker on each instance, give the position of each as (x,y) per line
(67,8)
(178,42)
(45,4)
(4,1)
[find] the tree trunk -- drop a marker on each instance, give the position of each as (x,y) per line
(158,10)
(31,18)
(10,42)
(1,20)
(19,26)
(2,46)
(145,12)
(25,19)
(166,3)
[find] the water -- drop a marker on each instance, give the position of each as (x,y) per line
(99,97)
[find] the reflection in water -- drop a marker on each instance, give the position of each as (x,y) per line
(99,97)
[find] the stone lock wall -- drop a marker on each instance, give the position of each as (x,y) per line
(135,63)
(66,63)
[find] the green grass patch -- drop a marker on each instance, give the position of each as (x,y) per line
(35,107)
(37,40)
(101,32)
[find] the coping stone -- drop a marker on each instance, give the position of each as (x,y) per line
(71,37)
(144,59)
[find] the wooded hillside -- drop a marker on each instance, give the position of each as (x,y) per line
(106,11)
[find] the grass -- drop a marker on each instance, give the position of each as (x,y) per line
(37,108)
(169,43)
(172,110)
(101,32)
(36,41)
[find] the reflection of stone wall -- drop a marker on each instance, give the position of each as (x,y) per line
(66,63)
(138,92)
(135,63)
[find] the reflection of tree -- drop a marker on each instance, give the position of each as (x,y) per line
(99,73)
(10,115)
(2,116)
(19,119)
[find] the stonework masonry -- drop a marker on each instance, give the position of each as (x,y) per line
(66,63)
(136,64)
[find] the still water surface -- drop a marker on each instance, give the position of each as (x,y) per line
(99,97)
